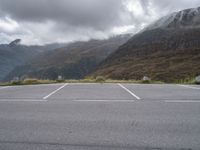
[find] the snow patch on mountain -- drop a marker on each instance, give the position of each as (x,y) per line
(188,18)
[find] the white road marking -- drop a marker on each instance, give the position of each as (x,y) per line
(16,100)
(85,83)
(187,86)
(4,87)
(138,98)
(55,91)
(182,101)
(103,101)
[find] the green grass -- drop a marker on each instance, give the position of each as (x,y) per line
(96,80)
(27,82)
(186,81)
(99,79)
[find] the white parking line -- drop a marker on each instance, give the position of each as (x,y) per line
(4,87)
(19,100)
(55,91)
(182,101)
(103,101)
(138,98)
(187,86)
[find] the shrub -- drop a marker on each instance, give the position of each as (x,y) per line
(146,81)
(30,81)
(60,81)
(100,79)
(186,81)
(16,83)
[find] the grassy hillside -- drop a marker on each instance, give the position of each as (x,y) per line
(161,54)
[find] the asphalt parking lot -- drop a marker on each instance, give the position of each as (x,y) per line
(100,116)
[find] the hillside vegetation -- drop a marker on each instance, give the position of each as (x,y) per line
(167,52)
(74,61)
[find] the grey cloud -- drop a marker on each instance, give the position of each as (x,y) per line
(99,14)
(164,7)
(44,21)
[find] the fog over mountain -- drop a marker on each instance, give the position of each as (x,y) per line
(14,54)
(48,21)
(74,61)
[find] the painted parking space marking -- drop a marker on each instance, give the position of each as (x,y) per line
(22,100)
(191,87)
(127,90)
(182,101)
(103,101)
(55,91)
(4,87)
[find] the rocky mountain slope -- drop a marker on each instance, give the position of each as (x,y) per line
(189,18)
(168,50)
(74,61)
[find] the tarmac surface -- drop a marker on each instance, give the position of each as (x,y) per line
(100,117)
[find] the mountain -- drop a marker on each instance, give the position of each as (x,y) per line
(15,43)
(14,54)
(74,61)
(167,50)
(188,18)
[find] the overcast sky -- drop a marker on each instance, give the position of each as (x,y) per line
(50,21)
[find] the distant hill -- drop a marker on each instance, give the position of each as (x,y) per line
(74,61)
(14,54)
(167,50)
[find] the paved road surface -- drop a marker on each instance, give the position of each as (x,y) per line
(100,117)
